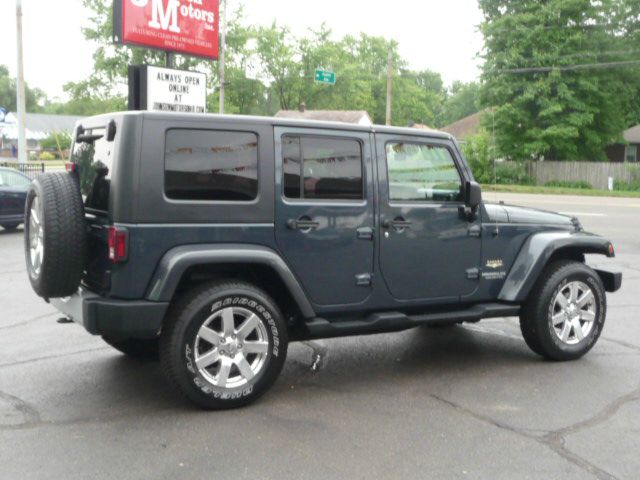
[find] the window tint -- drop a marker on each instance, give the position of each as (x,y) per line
(331,168)
(211,165)
(13,179)
(422,172)
(95,161)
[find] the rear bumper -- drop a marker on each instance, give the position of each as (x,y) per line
(115,318)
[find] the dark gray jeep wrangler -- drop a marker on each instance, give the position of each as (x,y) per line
(214,241)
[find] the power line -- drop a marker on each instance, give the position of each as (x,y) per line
(569,68)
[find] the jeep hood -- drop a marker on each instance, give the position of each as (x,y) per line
(523,215)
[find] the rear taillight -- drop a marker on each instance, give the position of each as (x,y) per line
(71,167)
(118,244)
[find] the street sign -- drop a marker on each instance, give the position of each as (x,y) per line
(325,76)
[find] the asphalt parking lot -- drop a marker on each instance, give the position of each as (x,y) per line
(470,402)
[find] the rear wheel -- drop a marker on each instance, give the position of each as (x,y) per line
(10,226)
(224,344)
(143,349)
(564,315)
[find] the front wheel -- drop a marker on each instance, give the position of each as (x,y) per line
(564,315)
(9,226)
(224,344)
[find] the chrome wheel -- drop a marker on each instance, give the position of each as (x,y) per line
(231,347)
(36,237)
(574,312)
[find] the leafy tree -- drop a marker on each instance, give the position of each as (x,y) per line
(547,105)
(8,94)
(461,101)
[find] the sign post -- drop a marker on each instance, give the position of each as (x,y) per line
(325,76)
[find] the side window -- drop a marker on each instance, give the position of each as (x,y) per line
(322,168)
(422,172)
(211,165)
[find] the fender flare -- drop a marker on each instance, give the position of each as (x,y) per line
(535,254)
(176,261)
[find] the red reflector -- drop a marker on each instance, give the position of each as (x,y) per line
(117,244)
(71,167)
(611,251)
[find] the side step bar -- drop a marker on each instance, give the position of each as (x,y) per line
(396,321)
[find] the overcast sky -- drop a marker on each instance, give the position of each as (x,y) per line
(440,35)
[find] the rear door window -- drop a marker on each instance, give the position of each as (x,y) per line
(322,168)
(211,165)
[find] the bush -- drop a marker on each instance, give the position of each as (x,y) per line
(476,151)
(570,184)
(47,156)
(513,173)
(631,186)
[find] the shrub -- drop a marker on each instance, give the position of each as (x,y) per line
(569,184)
(631,186)
(47,156)
(476,151)
(513,173)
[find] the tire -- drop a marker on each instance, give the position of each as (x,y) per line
(565,313)
(10,226)
(141,349)
(194,364)
(54,235)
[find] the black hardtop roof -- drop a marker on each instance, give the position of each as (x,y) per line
(275,121)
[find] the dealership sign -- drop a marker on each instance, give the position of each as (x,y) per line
(167,90)
(188,27)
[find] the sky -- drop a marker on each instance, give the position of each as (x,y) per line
(439,35)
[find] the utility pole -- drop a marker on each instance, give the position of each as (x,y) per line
(223,47)
(22,140)
(389,86)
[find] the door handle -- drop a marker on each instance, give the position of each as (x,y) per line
(302,224)
(398,223)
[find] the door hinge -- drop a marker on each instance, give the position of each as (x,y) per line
(364,233)
(473,274)
(475,231)
(364,280)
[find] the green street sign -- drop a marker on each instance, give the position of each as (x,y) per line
(325,76)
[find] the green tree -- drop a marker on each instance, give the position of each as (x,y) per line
(8,94)
(549,101)
(462,100)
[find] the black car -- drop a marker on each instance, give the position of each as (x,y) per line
(13,194)
(213,241)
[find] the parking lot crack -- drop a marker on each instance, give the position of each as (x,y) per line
(29,320)
(29,415)
(51,357)
(554,440)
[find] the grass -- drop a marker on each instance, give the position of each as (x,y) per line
(558,191)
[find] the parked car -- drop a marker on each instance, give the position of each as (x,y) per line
(214,241)
(13,194)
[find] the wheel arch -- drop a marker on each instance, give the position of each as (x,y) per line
(539,250)
(184,266)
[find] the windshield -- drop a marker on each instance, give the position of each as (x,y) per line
(94,157)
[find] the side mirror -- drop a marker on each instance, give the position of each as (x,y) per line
(472,195)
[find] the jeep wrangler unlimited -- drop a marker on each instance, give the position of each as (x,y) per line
(214,241)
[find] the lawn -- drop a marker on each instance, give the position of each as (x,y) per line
(558,191)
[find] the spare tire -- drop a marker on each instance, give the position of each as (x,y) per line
(54,235)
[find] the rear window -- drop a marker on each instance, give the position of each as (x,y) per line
(211,165)
(94,157)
